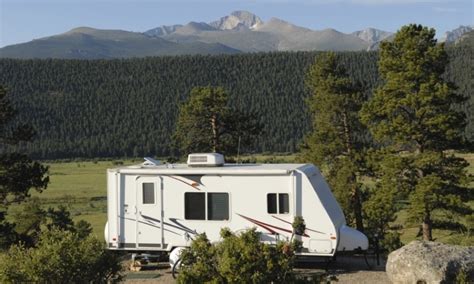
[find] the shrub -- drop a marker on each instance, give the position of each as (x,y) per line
(83,229)
(236,259)
(32,219)
(390,241)
(60,257)
(198,263)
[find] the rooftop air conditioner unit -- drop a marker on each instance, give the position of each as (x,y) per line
(205,160)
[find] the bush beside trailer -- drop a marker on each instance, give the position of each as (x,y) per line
(155,207)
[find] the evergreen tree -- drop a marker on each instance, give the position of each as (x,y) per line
(28,219)
(380,205)
(59,218)
(412,113)
(109,108)
(207,123)
(129,107)
(18,173)
(334,141)
(83,229)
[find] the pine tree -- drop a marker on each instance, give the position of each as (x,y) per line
(412,113)
(18,173)
(333,142)
(105,108)
(207,123)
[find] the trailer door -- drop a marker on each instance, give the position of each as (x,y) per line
(149,216)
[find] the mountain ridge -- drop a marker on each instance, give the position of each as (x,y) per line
(240,31)
(456,34)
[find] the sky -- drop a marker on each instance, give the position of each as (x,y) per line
(24,20)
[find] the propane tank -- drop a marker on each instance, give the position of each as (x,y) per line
(175,255)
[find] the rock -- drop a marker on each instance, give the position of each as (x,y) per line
(430,262)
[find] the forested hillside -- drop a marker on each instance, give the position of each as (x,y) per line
(129,107)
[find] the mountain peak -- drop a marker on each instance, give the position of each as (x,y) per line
(371,35)
(454,35)
(237,20)
(243,15)
(82,30)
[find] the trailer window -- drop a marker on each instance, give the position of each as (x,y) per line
(194,206)
(272,203)
(148,193)
(279,205)
(283,203)
(218,206)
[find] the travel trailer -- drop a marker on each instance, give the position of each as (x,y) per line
(154,207)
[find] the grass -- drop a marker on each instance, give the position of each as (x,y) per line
(409,231)
(81,187)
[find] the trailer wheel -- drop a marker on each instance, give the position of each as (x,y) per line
(175,268)
(175,260)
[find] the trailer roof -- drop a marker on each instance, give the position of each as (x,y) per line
(226,169)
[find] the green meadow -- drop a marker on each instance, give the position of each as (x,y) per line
(81,187)
(410,231)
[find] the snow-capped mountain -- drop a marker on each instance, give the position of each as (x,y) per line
(240,31)
(237,20)
(454,35)
(371,35)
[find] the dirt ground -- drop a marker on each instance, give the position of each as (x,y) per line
(344,269)
(355,270)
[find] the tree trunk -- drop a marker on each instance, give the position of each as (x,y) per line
(427,227)
(215,136)
(357,205)
(347,134)
(355,192)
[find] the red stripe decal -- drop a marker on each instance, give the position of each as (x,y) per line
(175,178)
(304,235)
(265,225)
(281,220)
(319,232)
(258,223)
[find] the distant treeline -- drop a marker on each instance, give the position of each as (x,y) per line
(106,108)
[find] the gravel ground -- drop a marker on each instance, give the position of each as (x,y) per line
(345,269)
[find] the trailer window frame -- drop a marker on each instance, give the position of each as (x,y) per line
(206,205)
(146,194)
(187,204)
(274,202)
(286,203)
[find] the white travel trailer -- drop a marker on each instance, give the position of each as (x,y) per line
(158,207)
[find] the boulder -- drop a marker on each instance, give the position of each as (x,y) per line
(430,262)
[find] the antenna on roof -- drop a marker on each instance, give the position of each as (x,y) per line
(151,162)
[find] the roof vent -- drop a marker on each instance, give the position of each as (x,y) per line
(205,160)
(151,162)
